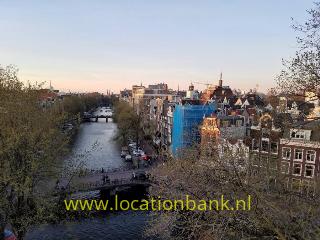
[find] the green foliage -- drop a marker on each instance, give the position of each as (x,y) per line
(129,123)
(31,147)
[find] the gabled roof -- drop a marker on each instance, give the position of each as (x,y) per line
(238,102)
(246,103)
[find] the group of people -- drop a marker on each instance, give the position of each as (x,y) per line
(105,179)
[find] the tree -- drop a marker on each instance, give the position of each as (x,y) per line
(276,213)
(31,143)
(129,123)
(302,72)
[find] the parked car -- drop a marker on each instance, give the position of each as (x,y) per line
(128,158)
(135,148)
(138,153)
(145,157)
(124,153)
(132,144)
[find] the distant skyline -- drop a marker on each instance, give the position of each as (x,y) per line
(100,45)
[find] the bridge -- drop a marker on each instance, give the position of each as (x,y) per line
(98,113)
(94,118)
(94,181)
(99,186)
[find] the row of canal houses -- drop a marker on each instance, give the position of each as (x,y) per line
(280,133)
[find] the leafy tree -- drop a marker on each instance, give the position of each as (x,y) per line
(129,123)
(302,72)
(31,143)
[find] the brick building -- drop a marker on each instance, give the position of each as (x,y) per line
(293,153)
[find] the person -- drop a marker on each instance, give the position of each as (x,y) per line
(57,184)
(8,235)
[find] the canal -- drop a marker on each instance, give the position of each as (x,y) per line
(97,139)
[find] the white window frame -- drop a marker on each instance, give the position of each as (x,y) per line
(315,156)
(294,156)
(224,123)
(239,123)
(305,170)
(294,174)
(298,134)
(283,150)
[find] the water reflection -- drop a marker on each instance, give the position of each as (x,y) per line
(106,153)
(120,225)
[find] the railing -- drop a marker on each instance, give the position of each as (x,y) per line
(90,172)
(100,185)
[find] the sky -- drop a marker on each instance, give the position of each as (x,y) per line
(100,45)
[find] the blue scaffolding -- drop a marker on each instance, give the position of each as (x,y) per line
(186,121)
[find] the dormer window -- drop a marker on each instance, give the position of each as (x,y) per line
(297,134)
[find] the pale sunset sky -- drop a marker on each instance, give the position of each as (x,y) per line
(96,45)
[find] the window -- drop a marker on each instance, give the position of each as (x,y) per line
(285,166)
(286,153)
(238,123)
(274,147)
(309,171)
(298,154)
(255,145)
(265,145)
(311,156)
(225,123)
(265,133)
(296,169)
(297,134)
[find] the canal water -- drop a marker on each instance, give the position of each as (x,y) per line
(95,146)
(97,140)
